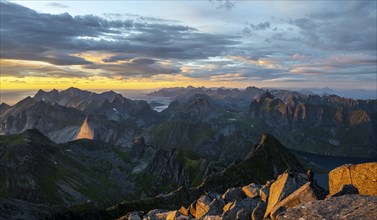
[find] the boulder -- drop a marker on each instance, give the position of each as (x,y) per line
(362,176)
(352,207)
(192,209)
(258,212)
(284,185)
(184,211)
(306,193)
(173,215)
(251,190)
(239,209)
(346,189)
(264,192)
(216,207)
(202,206)
(209,204)
(233,194)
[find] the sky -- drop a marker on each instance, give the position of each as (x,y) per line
(212,43)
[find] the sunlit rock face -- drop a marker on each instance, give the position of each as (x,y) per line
(86,132)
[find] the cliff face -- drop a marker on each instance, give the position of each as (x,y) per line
(57,122)
(322,125)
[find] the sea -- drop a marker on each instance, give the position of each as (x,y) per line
(330,163)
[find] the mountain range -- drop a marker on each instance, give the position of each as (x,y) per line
(89,151)
(207,121)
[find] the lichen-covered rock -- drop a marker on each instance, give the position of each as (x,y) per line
(284,185)
(362,176)
(251,190)
(233,194)
(350,207)
(306,193)
(259,210)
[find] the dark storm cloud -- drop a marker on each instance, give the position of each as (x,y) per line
(29,35)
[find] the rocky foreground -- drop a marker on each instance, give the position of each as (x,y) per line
(293,195)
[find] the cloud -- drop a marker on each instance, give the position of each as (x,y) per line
(306,42)
(228,77)
(141,67)
(20,69)
(57,5)
(336,66)
(349,28)
(304,23)
(224,4)
(29,35)
(119,57)
(256,27)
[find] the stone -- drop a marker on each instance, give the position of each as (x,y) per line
(362,176)
(206,205)
(259,210)
(284,185)
(306,193)
(173,215)
(346,189)
(264,192)
(251,190)
(350,207)
(192,209)
(184,211)
(233,194)
(241,209)
(216,207)
(202,206)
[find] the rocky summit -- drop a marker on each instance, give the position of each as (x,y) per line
(292,195)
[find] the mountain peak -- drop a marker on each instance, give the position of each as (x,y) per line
(264,96)
(270,158)
(3,107)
